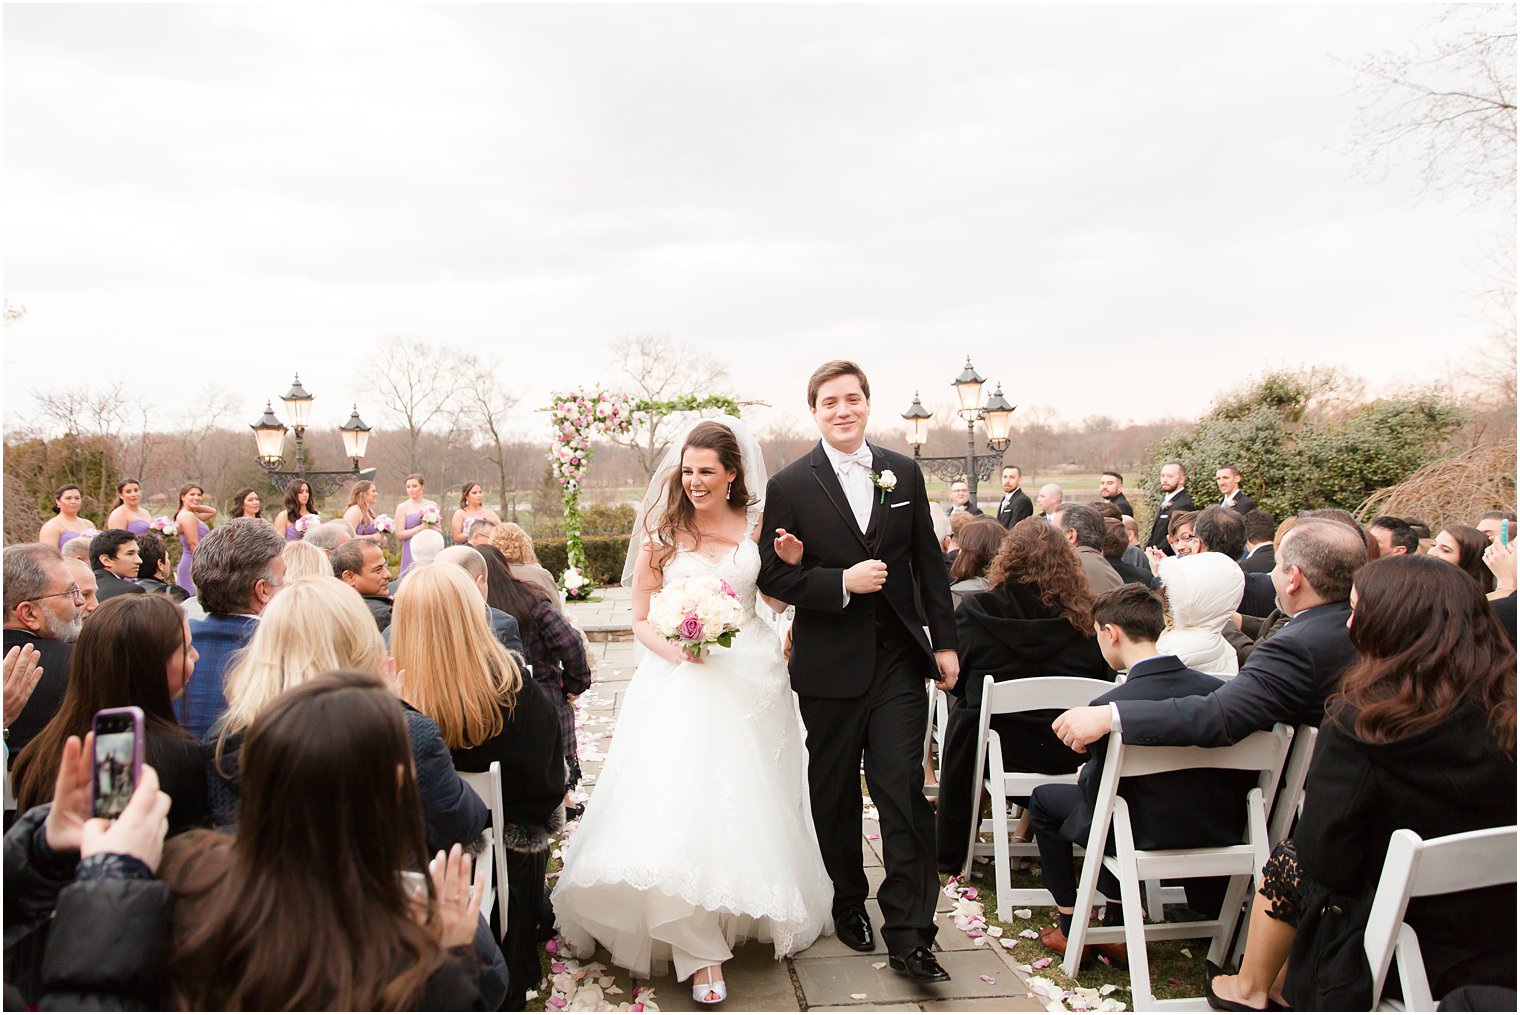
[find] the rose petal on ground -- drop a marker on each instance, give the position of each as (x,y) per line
(995,931)
(1107,989)
(878,965)
(987,979)
(857,997)
(1009,943)
(552,946)
(970,894)
(873,837)
(1023,914)
(1041,963)
(1174,981)
(1032,935)
(557,1002)
(557,967)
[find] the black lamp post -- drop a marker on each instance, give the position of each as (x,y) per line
(997,415)
(269,433)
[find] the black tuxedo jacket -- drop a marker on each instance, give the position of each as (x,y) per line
(1259,597)
(1242,503)
(110,586)
(1181,502)
(1173,810)
(1286,679)
(1017,509)
(1122,503)
(1260,561)
(836,643)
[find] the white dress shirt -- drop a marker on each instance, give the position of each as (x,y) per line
(855,479)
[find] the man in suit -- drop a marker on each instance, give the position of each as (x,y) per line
(1287,677)
(1260,557)
(361,566)
(1394,536)
(1049,499)
(116,558)
(89,588)
(1015,505)
(863,647)
(237,571)
(503,625)
(1220,530)
(1228,478)
(1174,810)
(960,499)
(1084,529)
(42,609)
(1174,497)
(1111,489)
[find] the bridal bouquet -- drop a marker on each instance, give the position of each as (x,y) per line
(576,585)
(164,525)
(306,523)
(697,613)
(430,516)
(384,524)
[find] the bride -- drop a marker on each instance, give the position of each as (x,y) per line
(699,835)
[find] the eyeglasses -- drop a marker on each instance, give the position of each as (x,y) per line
(72,590)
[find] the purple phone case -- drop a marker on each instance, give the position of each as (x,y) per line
(136,715)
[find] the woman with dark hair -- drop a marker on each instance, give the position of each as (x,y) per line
(190,518)
(553,648)
(128,512)
(979,541)
(298,504)
(66,524)
(471,506)
(135,650)
(319,902)
(153,572)
(1035,621)
(1463,546)
(1421,735)
(245,504)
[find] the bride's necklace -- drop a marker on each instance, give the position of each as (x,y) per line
(715,537)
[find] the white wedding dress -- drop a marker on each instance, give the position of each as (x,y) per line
(699,834)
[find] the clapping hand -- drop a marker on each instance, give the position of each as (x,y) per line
(788,547)
(1154,557)
(21,676)
(458,901)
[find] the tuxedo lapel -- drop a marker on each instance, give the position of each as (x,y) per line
(823,472)
(875,532)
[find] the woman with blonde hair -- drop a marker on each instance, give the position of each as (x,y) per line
(315,626)
(303,560)
(456,672)
(517,546)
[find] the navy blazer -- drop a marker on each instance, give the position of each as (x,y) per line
(1173,810)
(217,638)
(1286,679)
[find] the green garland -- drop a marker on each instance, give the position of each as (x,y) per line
(687,403)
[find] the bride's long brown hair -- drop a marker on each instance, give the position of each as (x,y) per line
(680,515)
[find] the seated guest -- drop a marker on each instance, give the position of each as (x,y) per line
(958,523)
(133,652)
(1202,594)
(328,536)
(1083,528)
(455,672)
(303,560)
(1287,677)
(424,546)
(117,561)
(42,609)
(1345,518)
(1463,546)
(1393,536)
(1116,545)
(503,625)
(317,625)
(1035,621)
(1222,530)
(517,547)
(1173,810)
(359,564)
(238,569)
(89,589)
(979,544)
(77,548)
(319,903)
(1260,528)
(479,531)
(154,573)
(1134,554)
(1420,735)
(1492,522)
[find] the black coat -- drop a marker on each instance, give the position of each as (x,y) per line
(1122,503)
(1173,810)
(380,608)
(1450,777)
(1259,597)
(1286,679)
(1181,502)
(1242,503)
(1260,560)
(805,498)
(1016,510)
(533,776)
(109,586)
(47,696)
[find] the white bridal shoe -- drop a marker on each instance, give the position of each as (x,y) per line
(699,991)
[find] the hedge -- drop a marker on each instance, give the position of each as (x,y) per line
(604,555)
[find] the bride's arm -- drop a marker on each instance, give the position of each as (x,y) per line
(646,582)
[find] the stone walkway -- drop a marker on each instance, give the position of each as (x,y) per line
(826,977)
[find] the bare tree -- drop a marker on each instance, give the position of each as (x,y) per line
(660,369)
(485,407)
(417,385)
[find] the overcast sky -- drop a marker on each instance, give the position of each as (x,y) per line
(1115,210)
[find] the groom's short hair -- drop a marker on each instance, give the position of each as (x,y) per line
(829,371)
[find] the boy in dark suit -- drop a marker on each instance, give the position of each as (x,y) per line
(1174,810)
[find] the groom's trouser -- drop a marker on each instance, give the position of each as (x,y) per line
(887,725)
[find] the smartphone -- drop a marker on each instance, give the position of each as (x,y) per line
(118,759)
(1504,532)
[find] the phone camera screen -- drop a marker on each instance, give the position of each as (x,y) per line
(115,749)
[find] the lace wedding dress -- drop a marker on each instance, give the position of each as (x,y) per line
(699,834)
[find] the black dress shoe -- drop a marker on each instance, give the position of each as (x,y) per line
(854,930)
(920,964)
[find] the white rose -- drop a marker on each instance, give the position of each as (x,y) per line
(888,479)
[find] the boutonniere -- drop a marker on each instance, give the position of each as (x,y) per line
(885,481)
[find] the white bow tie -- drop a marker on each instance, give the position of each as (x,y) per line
(861,457)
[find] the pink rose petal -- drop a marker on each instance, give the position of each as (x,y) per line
(987,979)
(1041,963)
(557,967)
(552,946)
(557,1002)
(969,894)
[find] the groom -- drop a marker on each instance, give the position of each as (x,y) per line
(860,657)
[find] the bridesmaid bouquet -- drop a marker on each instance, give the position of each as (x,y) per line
(164,525)
(306,523)
(430,516)
(576,585)
(696,614)
(384,524)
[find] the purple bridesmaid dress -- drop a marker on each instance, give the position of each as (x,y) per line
(65,536)
(137,526)
(182,573)
(412,519)
(293,534)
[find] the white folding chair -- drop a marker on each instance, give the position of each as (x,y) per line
(1004,697)
(487,785)
(934,737)
(1264,753)
(1417,867)
(1290,798)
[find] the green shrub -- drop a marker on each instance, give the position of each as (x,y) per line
(604,555)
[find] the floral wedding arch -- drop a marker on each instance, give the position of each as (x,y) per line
(576,416)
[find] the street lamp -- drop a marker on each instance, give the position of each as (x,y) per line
(269,434)
(997,414)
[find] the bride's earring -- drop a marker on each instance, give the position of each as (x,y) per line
(729,493)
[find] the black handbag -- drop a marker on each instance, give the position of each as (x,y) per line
(1327,968)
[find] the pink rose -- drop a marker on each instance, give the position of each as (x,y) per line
(728,589)
(690,629)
